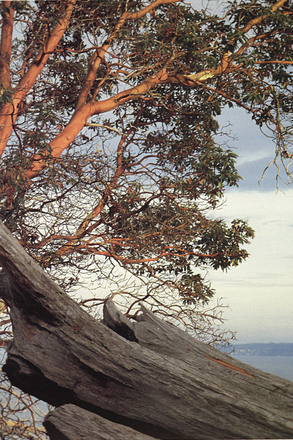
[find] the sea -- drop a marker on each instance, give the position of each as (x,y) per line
(279,365)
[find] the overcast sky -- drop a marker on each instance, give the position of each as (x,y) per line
(259,291)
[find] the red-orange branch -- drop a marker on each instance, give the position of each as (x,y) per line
(5,55)
(93,250)
(41,59)
(259,19)
(99,55)
(274,62)
(150,7)
(87,249)
(10,111)
(5,44)
(82,229)
(79,119)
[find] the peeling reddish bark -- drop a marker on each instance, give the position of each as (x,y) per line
(9,113)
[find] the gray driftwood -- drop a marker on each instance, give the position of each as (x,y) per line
(148,375)
(64,423)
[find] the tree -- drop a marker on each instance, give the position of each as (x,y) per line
(108,119)
(113,143)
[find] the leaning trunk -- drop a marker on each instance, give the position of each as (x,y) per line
(131,379)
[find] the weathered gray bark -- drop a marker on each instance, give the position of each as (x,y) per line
(70,422)
(147,375)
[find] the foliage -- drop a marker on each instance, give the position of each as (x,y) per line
(108,122)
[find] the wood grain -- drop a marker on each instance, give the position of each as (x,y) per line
(147,375)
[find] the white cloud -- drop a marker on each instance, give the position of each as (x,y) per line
(259,291)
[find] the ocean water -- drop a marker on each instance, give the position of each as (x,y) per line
(280,365)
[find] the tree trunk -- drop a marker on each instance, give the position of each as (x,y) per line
(64,423)
(112,377)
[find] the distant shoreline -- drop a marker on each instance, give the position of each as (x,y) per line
(261,349)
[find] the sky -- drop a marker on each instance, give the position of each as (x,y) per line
(259,291)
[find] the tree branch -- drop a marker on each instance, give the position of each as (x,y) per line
(10,111)
(5,44)
(259,19)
